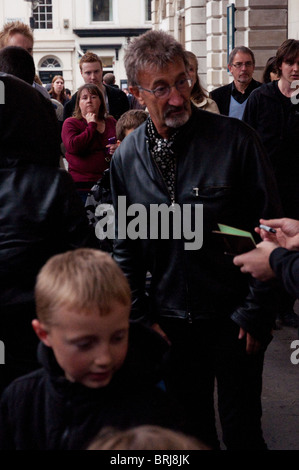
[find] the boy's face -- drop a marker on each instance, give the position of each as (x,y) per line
(89,348)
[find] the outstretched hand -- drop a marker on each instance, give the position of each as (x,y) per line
(287,232)
(256,262)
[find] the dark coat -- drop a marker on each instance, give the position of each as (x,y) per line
(29,129)
(285,264)
(278,128)
(220,164)
(222,95)
(41,215)
(44,411)
(117,99)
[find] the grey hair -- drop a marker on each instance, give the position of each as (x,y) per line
(153,49)
(243,49)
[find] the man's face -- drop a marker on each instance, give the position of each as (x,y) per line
(173,111)
(92,73)
(290,70)
(20,40)
(242,68)
(89,348)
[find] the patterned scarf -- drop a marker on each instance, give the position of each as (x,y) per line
(163,154)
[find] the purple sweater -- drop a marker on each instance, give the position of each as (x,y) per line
(85,147)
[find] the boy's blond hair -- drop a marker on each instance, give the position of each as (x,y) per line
(145,437)
(82,280)
(129,120)
(12,28)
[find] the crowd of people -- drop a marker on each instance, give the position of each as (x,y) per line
(118,346)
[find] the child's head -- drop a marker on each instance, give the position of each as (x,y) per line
(83,303)
(145,437)
(129,121)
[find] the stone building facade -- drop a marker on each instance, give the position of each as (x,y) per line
(65,29)
(201,25)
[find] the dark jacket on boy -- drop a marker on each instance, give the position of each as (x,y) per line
(45,411)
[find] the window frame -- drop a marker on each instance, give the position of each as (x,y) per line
(111,12)
(37,15)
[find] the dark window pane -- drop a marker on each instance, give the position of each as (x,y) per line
(101,10)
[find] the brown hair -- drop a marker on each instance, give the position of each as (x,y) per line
(243,49)
(198,93)
(129,120)
(287,52)
(92,89)
(146,437)
(15,27)
(52,92)
(269,67)
(81,279)
(89,57)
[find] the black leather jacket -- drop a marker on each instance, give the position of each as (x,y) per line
(220,164)
(41,213)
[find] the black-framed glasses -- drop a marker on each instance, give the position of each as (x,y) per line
(163,91)
(238,65)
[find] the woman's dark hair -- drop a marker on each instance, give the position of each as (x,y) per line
(269,67)
(93,90)
(287,52)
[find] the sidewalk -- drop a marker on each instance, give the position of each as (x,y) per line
(280,393)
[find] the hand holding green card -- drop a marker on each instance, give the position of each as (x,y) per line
(235,241)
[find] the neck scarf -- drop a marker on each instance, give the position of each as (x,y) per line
(163,154)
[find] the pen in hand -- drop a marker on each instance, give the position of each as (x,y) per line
(267,229)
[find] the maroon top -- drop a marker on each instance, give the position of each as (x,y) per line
(85,147)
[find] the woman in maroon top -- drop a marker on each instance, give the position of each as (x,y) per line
(85,137)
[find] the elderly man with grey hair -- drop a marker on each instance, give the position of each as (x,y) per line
(181,173)
(231,99)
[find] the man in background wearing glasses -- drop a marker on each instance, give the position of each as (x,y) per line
(231,99)
(216,321)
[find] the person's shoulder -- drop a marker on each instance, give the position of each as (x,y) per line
(14,87)
(114,91)
(221,90)
(220,125)
(41,89)
(24,387)
(265,89)
(111,120)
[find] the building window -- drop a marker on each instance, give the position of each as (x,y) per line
(148,10)
(49,68)
(101,10)
(42,14)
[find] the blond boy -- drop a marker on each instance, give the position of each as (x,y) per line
(92,375)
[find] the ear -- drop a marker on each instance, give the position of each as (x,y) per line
(134,90)
(41,331)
